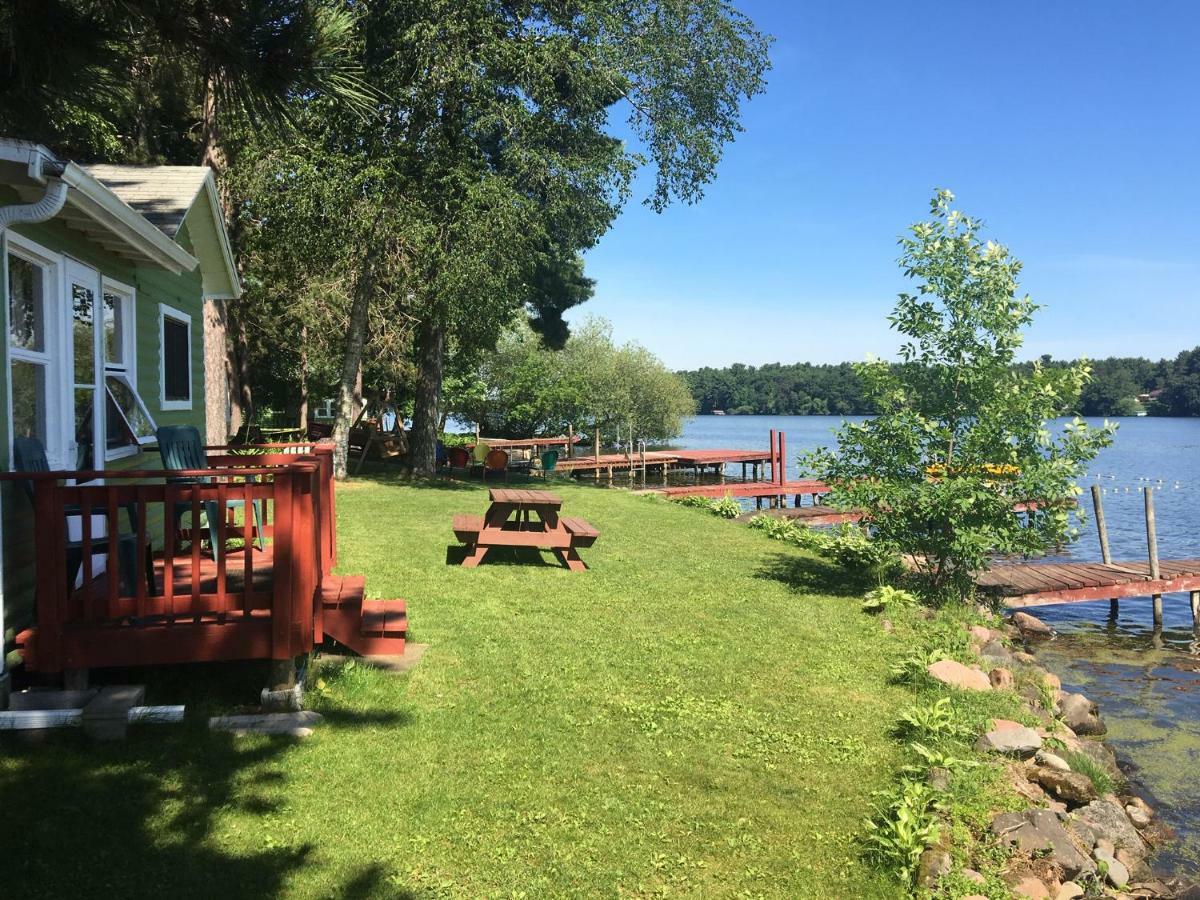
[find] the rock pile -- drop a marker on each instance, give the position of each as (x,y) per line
(1072,839)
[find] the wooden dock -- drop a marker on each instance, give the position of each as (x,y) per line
(1042,584)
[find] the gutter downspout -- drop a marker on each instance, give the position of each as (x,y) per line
(51,204)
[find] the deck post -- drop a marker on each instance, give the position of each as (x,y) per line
(1152,547)
(782,457)
(571,441)
(1114,606)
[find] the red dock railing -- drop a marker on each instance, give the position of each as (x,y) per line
(167,600)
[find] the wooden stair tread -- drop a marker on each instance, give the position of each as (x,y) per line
(383,616)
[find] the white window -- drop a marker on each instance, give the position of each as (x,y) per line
(175,357)
(31,279)
(127,422)
(71,347)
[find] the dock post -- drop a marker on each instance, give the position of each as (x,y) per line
(1102,529)
(570,441)
(1152,547)
(1196,611)
(782,457)
(743,471)
(772,454)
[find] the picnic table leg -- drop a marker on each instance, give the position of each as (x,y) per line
(570,559)
(475,555)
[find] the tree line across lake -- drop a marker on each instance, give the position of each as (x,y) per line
(1120,386)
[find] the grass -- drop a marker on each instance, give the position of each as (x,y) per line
(704,713)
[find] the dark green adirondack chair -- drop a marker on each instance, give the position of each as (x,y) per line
(181,449)
(30,456)
(549,462)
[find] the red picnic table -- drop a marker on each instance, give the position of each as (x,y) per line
(519,518)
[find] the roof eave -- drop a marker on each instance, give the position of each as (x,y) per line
(209,189)
(102,205)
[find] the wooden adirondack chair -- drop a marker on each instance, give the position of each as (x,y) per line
(181,449)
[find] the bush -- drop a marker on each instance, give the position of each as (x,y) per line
(905,823)
(937,721)
(726,507)
(961,435)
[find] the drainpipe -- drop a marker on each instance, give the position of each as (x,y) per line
(46,170)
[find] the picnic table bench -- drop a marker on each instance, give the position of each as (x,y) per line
(521,518)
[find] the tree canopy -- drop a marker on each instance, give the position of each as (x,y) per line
(525,388)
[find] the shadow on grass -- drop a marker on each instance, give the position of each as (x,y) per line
(505,556)
(814,575)
(139,818)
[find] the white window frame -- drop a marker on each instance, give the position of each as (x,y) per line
(177,315)
(57,444)
(127,371)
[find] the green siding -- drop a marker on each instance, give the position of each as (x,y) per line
(153,286)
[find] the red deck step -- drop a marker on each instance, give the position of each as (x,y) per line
(368,627)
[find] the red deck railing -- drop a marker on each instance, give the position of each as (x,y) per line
(186,603)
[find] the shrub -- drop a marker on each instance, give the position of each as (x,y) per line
(937,721)
(905,823)
(913,668)
(961,433)
(726,507)
(886,597)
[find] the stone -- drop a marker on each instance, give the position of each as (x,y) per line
(939,779)
(1137,868)
(974,877)
(956,675)
(975,897)
(41,698)
(996,652)
(1105,844)
(1031,626)
(1070,787)
(1139,812)
(1001,679)
(1028,886)
(1002,724)
(1081,715)
(934,863)
(1039,831)
(1052,761)
(887,626)
(285,700)
(1052,681)
(979,635)
(106,717)
(1069,891)
(1106,820)
(1021,742)
(1114,870)
(1022,657)
(297,724)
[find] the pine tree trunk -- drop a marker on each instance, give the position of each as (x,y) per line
(349,389)
(302,405)
(422,454)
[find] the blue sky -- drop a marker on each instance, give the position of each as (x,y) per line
(1072,128)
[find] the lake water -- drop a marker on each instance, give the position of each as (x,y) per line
(1147,685)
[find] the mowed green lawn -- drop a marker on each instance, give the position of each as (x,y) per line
(703,713)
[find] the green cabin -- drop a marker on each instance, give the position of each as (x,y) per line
(112,275)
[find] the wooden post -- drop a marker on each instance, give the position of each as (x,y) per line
(772,454)
(1102,529)
(782,457)
(1152,547)
(1196,611)
(570,441)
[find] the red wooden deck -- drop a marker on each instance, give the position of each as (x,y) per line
(277,602)
(1041,584)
